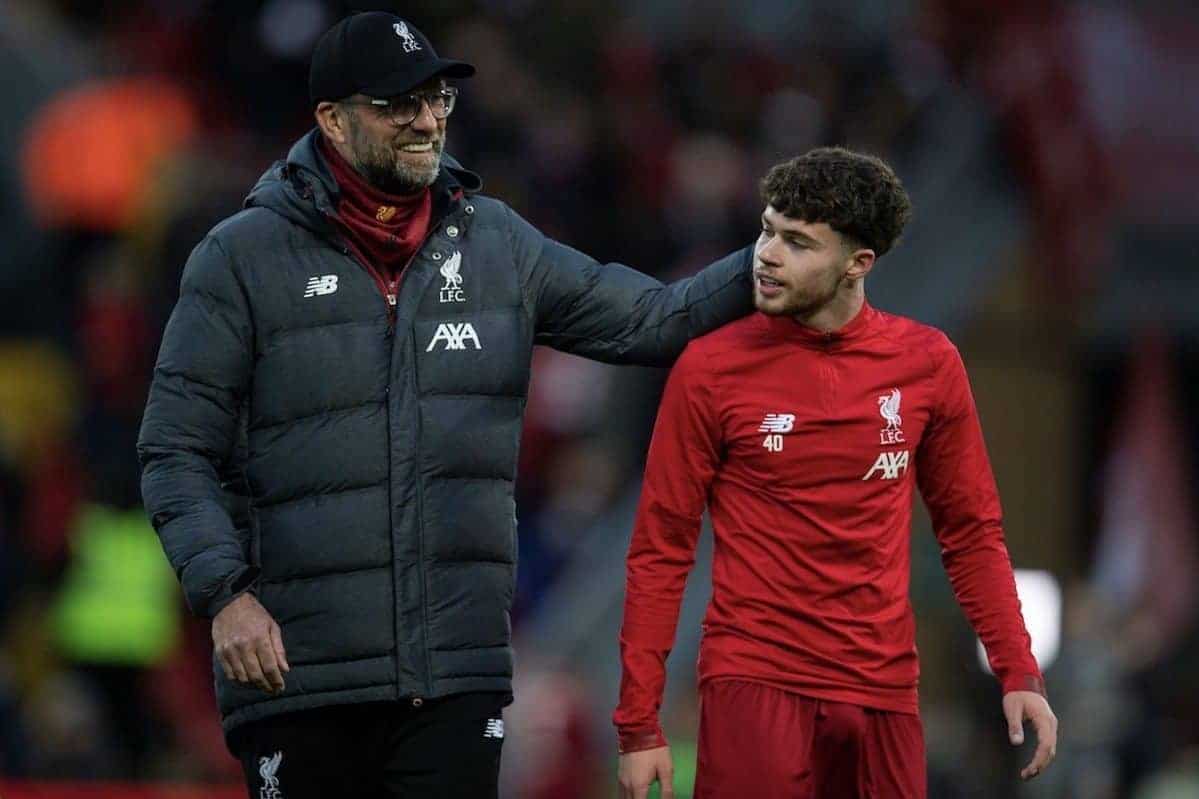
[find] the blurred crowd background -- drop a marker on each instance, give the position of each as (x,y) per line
(1052,152)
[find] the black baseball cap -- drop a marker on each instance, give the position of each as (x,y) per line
(378,54)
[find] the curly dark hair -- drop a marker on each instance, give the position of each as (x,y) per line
(857,195)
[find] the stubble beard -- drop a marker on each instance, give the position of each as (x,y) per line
(798,303)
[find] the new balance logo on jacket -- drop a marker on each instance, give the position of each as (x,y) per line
(322,284)
(455,335)
(494,729)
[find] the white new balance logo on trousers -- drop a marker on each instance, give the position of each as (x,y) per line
(495,728)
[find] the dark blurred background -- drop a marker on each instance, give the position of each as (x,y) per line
(1052,153)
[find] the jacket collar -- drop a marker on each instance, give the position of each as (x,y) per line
(302,187)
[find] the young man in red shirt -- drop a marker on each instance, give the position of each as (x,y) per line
(803,428)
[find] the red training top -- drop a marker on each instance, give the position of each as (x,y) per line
(805,447)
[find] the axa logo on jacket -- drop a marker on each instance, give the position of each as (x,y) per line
(455,335)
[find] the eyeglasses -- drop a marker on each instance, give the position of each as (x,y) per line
(402,109)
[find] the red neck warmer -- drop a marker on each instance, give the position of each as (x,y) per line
(384,230)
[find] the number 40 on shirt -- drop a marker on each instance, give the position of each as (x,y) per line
(774,425)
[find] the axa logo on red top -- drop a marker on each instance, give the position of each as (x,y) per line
(890,464)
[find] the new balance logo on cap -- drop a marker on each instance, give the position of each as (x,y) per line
(455,335)
(324,284)
(495,728)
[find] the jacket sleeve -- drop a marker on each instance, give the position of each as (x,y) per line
(189,430)
(955,479)
(684,455)
(612,313)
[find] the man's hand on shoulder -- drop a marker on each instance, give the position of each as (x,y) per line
(249,644)
(638,770)
(1021,706)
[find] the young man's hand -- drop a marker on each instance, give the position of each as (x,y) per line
(1019,706)
(638,770)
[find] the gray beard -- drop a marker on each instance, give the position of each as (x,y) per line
(383,169)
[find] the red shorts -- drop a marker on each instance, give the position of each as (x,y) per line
(763,742)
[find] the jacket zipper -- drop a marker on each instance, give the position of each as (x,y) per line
(420,543)
(420,489)
(389,290)
(390,293)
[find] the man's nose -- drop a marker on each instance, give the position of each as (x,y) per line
(425,122)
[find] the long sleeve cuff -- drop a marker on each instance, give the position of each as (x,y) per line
(1024,682)
(640,739)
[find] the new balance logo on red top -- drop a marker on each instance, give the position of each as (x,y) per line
(777,423)
(774,425)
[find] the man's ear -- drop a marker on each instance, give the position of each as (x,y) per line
(861,261)
(333,121)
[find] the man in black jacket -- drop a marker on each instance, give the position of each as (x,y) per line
(350,357)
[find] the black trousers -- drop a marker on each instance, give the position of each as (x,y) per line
(445,748)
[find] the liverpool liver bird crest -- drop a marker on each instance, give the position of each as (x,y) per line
(888,407)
